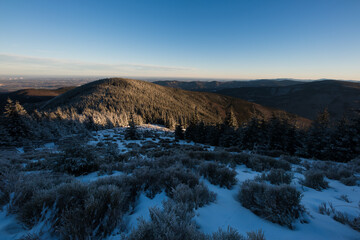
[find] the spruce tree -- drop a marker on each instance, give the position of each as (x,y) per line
(230,119)
(131,132)
(318,136)
(179,133)
(17,120)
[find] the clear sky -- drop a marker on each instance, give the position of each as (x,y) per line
(242,39)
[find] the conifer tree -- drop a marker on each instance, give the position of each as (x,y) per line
(131,132)
(318,136)
(17,124)
(179,132)
(230,119)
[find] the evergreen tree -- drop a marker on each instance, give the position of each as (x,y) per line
(131,132)
(179,133)
(17,120)
(318,136)
(230,119)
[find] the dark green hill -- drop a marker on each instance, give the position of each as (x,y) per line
(306,99)
(31,96)
(154,103)
(213,86)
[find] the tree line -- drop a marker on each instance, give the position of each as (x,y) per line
(325,140)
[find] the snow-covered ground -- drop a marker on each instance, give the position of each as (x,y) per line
(226,210)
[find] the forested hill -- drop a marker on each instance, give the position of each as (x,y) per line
(213,86)
(31,96)
(306,99)
(154,103)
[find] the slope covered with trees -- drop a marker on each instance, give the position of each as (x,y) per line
(111,101)
(306,99)
(213,86)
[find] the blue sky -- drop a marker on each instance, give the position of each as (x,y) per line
(247,39)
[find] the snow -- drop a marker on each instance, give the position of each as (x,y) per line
(141,211)
(10,228)
(95,176)
(20,150)
(142,208)
(227,211)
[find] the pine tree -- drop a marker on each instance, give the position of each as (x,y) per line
(230,119)
(17,120)
(179,133)
(318,136)
(131,132)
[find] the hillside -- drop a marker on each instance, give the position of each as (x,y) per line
(31,95)
(305,99)
(213,86)
(154,103)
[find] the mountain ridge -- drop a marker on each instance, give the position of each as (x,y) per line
(155,103)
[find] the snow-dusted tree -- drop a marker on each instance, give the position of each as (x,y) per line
(179,132)
(230,119)
(131,132)
(17,120)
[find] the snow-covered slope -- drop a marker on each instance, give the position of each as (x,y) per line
(226,210)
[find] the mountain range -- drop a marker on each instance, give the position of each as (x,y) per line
(305,99)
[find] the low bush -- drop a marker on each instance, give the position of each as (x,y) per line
(337,171)
(261,163)
(173,222)
(315,180)
(230,234)
(18,188)
(290,159)
(278,204)
(76,160)
(344,218)
(277,176)
(153,179)
(349,181)
(78,211)
(218,174)
(30,236)
(194,197)
(219,156)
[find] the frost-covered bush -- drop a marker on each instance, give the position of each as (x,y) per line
(30,236)
(18,188)
(232,234)
(261,163)
(173,222)
(78,211)
(344,218)
(153,179)
(277,176)
(256,235)
(315,180)
(76,160)
(349,181)
(290,159)
(278,204)
(219,156)
(229,234)
(218,174)
(194,197)
(337,171)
